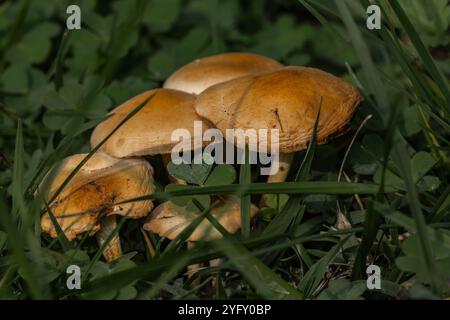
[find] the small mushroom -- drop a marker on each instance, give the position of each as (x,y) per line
(91,199)
(200,74)
(287,99)
(149,132)
(169,220)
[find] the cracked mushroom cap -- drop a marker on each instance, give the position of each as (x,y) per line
(149,131)
(287,99)
(169,220)
(200,74)
(93,191)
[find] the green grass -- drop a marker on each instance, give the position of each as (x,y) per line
(54,91)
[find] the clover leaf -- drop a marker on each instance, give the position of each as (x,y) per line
(70,107)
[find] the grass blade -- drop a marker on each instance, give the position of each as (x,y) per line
(265,281)
(306,187)
(400,155)
(442,206)
(370,71)
(57,68)
(65,244)
(315,274)
(18,173)
(421,49)
(245,179)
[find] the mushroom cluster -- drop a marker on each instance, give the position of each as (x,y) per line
(225,91)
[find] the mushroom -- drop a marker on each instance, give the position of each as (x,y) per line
(200,74)
(287,99)
(168,220)
(149,132)
(90,201)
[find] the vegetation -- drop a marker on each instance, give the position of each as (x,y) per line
(378,195)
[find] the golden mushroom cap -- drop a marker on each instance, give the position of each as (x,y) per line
(149,131)
(287,99)
(200,74)
(93,192)
(169,220)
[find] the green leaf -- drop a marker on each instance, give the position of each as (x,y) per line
(267,214)
(15,79)
(97,106)
(35,45)
(410,124)
(50,271)
(181,201)
(71,94)
(161,64)
(175,54)
(221,15)
(123,36)
(98,271)
(286,37)
(192,44)
(421,164)
(127,293)
(413,261)
(77,256)
(367,153)
(160,15)
(191,173)
(53,101)
(342,289)
(85,45)
(54,121)
(390,179)
(221,174)
(437,242)
(121,91)
(276,201)
(72,124)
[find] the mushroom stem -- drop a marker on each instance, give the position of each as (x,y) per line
(113,250)
(214,263)
(285,161)
(166,159)
(193,267)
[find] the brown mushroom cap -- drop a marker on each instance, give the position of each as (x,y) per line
(287,99)
(203,73)
(149,131)
(169,220)
(93,191)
